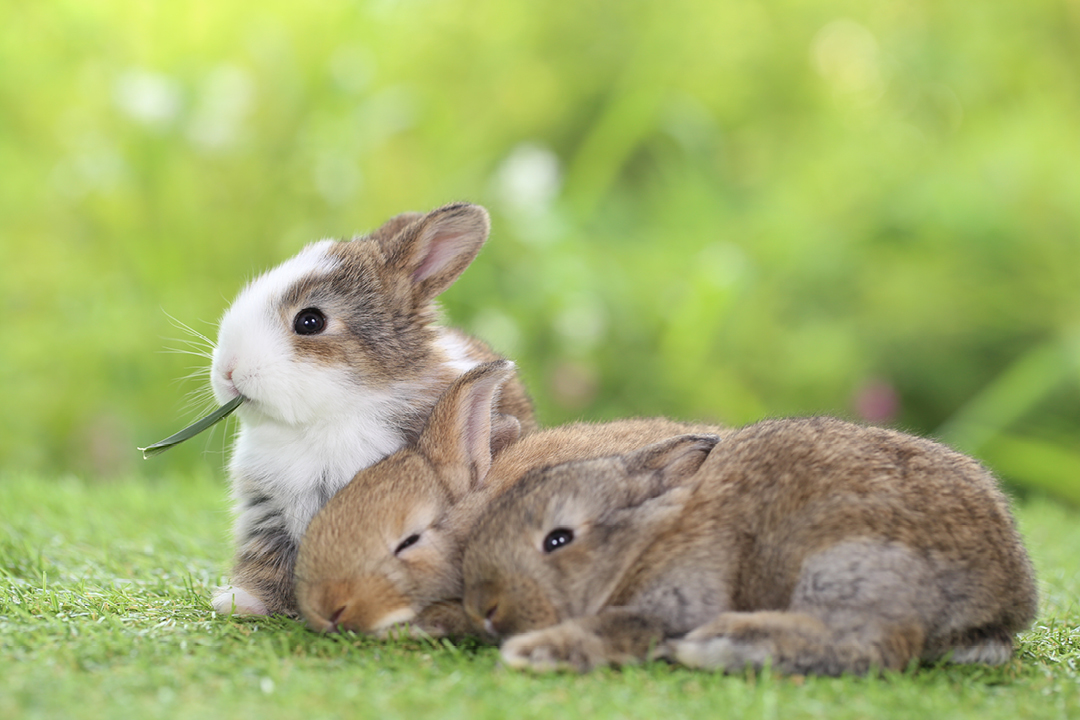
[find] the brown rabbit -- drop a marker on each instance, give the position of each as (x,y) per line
(387,548)
(815,545)
(339,359)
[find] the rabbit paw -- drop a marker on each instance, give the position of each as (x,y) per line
(717,653)
(237,601)
(444,619)
(562,647)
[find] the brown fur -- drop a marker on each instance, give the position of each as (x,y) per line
(815,545)
(434,489)
(379,302)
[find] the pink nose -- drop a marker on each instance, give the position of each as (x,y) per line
(229,369)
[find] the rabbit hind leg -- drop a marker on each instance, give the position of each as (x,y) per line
(855,606)
(988,646)
(796,643)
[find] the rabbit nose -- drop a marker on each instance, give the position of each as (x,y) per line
(482,605)
(332,622)
(490,618)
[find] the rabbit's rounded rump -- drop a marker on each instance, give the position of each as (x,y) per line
(817,545)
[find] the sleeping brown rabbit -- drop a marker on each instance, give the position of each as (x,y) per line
(815,545)
(386,549)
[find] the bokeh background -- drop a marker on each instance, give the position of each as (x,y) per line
(717,210)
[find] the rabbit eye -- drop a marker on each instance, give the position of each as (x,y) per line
(557,538)
(407,542)
(309,321)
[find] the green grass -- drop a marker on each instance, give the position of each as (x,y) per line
(104,613)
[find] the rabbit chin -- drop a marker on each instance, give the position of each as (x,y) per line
(299,393)
(393,621)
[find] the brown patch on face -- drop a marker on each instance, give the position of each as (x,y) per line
(372,329)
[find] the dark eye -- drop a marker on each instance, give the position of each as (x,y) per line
(407,542)
(309,321)
(557,538)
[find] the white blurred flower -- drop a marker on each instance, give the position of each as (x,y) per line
(150,98)
(225,99)
(847,56)
(528,180)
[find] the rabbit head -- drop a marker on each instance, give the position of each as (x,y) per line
(556,544)
(386,549)
(343,325)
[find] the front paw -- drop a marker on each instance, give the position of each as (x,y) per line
(237,601)
(444,619)
(561,647)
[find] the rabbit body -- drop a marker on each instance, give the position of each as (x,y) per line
(816,545)
(339,359)
(386,549)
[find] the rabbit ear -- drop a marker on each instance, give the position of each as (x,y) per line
(505,429)
(462,432)
(394,225)
(433,250)
(667,464)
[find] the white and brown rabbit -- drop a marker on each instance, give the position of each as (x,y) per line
(386,549)
(813,545)
(339,362)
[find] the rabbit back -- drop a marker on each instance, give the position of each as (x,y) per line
(815,544)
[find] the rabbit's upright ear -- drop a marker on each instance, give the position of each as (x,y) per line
(433,250)
(665,465)
(386,232)
(463,429)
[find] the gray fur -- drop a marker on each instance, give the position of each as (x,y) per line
(815,545)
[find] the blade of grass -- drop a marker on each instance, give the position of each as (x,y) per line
(1015,391)
(191,430)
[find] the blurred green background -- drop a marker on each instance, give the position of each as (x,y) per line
(717,210)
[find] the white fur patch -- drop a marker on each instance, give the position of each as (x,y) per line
(253,345)
(991,652)
(383,625)
(237,601)
(303,465)
(718,653)
(458,354)
(518,651)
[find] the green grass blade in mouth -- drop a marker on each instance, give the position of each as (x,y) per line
(191,430)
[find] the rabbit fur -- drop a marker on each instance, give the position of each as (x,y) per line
(386,550)
(339,359)
(813,544)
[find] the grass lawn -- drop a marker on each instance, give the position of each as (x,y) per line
(104,613)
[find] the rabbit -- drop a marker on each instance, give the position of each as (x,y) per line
(811,544)
(339,360)
(386,549)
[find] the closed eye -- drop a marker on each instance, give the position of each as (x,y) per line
(407,543)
